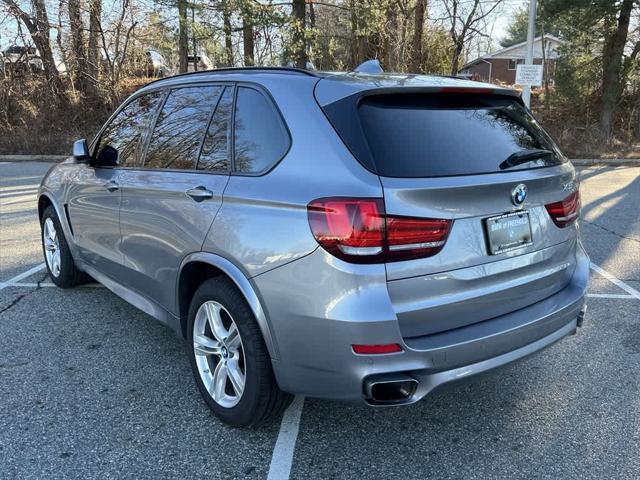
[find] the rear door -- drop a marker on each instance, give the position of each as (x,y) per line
(169,204)
(483,162)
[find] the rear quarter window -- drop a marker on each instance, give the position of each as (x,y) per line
(261,138)
(435,135)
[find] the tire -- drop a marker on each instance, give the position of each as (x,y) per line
(260,400)
(64,272)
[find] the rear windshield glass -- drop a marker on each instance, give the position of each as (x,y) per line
(434,135)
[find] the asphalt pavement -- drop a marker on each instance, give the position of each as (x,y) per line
(90,387)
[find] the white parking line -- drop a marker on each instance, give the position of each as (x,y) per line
(49,284)
(608,295)
(616,281)
(282,457)
(22,276)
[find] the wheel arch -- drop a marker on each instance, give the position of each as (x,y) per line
(47,200)
(200,266)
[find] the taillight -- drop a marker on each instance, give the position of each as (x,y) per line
(358,230)
(565,212)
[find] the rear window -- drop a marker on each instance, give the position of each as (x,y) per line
(435,135)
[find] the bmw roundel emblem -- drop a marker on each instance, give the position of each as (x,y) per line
(518,194)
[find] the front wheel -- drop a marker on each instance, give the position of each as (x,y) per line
(60,264)
(229,359)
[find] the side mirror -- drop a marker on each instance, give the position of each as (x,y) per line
(80,151)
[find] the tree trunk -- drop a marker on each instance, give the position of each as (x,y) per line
(388,45)
(612,70)
(93,52)
(183,39)
(228,41)
(455,58)
(76,33)
(637,127)
(247,39)
(299,34)
(194,42)
(418,29)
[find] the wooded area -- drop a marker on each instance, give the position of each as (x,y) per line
(94,52)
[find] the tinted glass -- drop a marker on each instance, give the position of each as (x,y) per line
(260,137)
(119,144)
(442,135)
(217,142)
(180,128)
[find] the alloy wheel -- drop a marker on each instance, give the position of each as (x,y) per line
(51,247)
(219,354)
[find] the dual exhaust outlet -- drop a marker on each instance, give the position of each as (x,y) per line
(389,389)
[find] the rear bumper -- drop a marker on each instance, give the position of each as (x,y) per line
(315,330)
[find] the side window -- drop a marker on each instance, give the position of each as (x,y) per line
(217,142)
(180,128)
(260,137)
(120,143)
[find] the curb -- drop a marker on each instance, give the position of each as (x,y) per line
(33,158)
(606,162)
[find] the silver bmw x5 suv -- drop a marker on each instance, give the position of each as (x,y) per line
(347,236)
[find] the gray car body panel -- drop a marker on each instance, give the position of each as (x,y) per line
(457,313)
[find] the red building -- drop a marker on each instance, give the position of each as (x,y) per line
(500,66)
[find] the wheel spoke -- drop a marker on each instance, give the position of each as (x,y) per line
(219,381)
(233,339)
(215,321)
(205,346)
(235,376)
(56,263)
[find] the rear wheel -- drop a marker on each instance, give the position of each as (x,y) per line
(60,264)
(229,359)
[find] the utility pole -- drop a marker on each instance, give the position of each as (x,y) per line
(531,32)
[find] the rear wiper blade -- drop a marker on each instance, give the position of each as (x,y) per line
(524,156)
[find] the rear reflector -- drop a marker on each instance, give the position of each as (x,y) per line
(565,212)
(376,349)
(358,230)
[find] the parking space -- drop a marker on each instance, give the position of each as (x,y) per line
(92,387)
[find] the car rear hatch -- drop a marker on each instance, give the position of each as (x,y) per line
(477,158)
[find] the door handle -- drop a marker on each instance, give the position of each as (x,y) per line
(199,193)
(112,186)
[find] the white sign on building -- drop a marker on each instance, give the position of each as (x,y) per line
(529,75)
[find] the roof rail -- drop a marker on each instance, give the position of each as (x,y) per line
(240,70)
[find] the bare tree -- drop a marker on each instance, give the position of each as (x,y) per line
(612,68)
(115,43)
(464,18)
(38,26)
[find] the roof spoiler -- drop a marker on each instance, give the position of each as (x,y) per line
(370,66)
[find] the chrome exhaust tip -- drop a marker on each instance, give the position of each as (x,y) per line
(389,389)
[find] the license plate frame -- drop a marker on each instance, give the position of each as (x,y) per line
(508,232)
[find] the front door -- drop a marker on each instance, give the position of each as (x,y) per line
(169,205)
(94,208)
(95,194)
